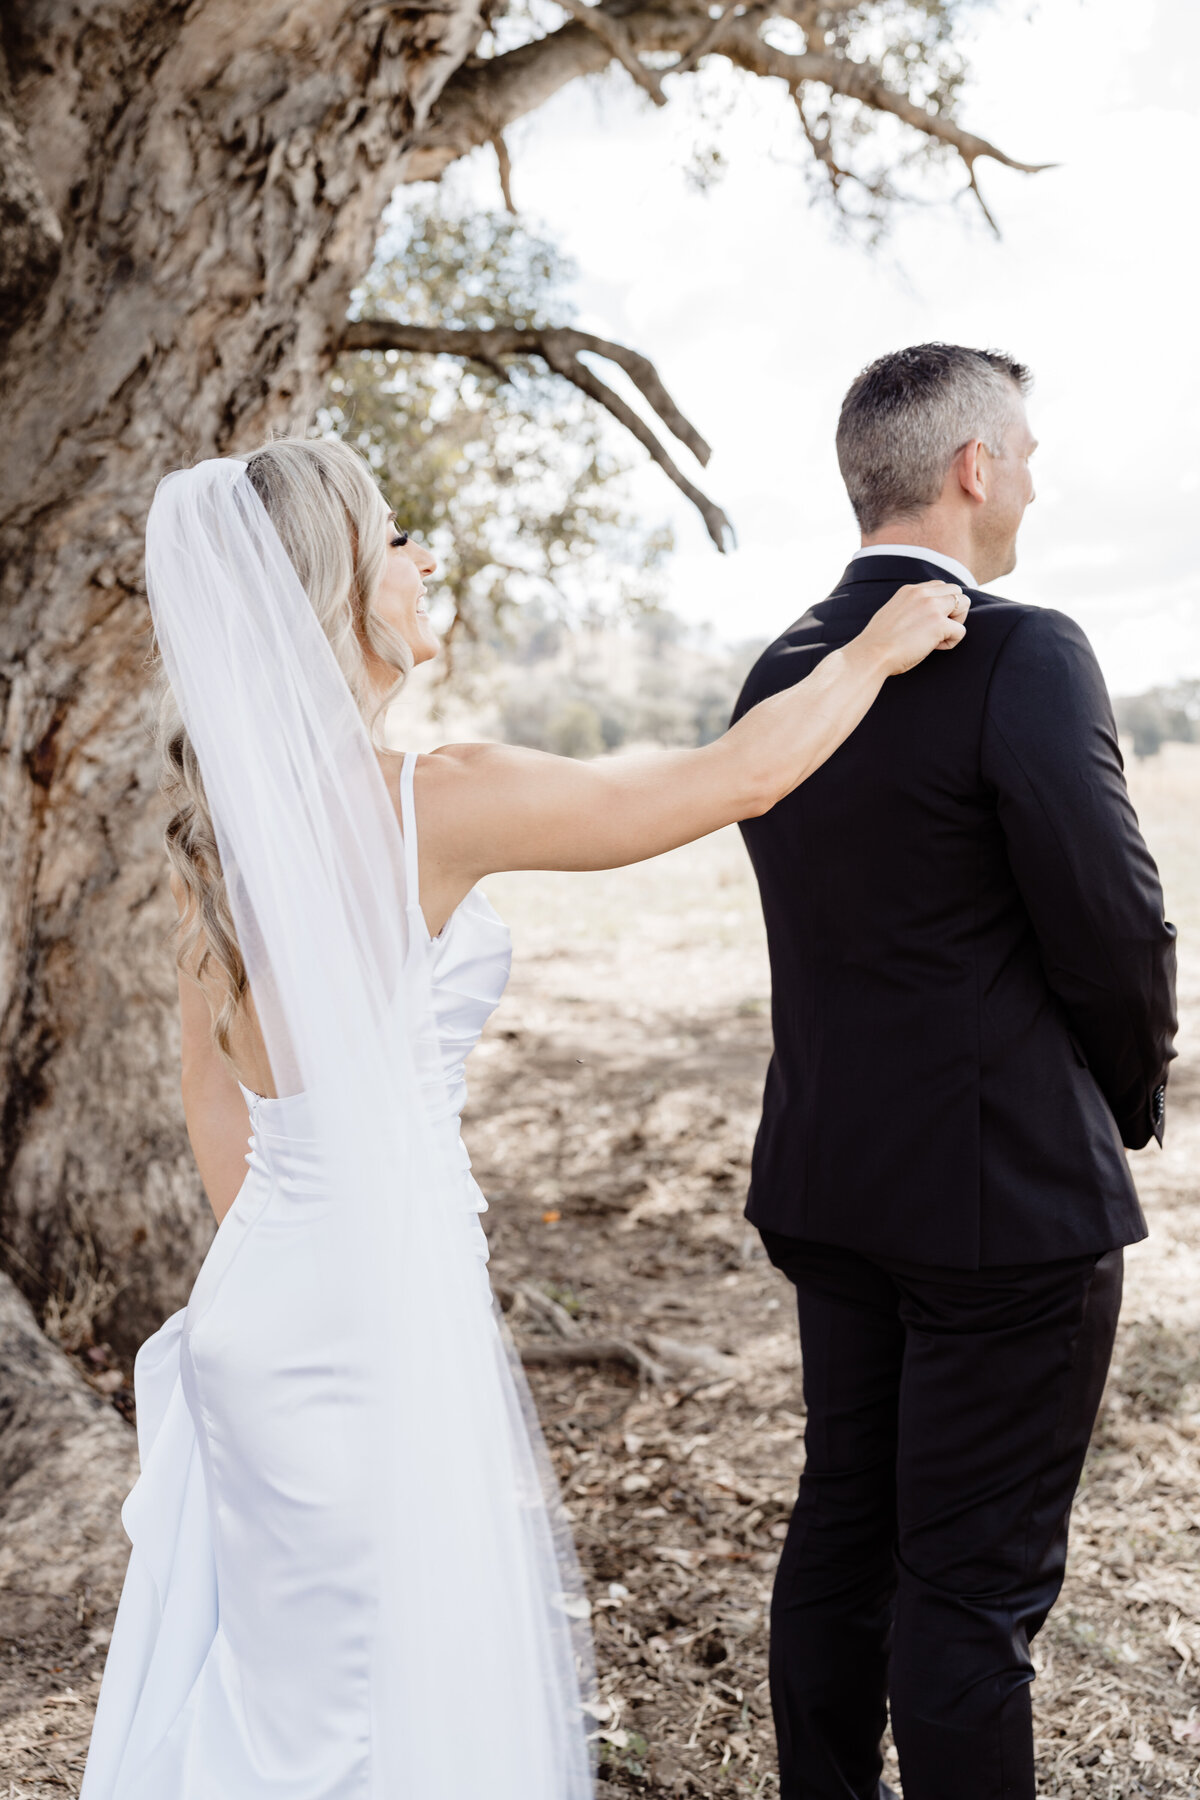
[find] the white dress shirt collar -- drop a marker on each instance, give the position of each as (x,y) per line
(952,566)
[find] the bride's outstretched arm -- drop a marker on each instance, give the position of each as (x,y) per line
(488,807)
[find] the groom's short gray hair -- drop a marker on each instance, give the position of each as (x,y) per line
(908,414)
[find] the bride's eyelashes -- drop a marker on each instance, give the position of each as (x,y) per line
(399,541)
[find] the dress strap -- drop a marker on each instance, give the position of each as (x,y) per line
(408,825)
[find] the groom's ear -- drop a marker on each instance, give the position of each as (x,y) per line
(970,469)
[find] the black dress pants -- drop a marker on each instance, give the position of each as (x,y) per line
(948,1416)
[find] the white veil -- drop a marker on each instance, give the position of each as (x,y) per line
(481,1650)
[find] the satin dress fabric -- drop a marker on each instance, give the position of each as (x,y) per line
(240,1661)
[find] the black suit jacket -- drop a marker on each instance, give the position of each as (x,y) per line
(973,982)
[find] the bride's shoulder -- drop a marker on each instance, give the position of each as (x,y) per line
(455,776)
(465,789)
(452,764)
(455,756)
(461,791)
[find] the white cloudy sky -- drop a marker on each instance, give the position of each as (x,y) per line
(758,315)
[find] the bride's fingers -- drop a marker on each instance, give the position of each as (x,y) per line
(927,616)
(950,606)
(956,611)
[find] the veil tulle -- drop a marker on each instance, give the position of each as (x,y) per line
(480,1652)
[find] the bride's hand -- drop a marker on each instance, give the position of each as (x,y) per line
(916,620)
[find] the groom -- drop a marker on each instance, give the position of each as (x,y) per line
(973,1008)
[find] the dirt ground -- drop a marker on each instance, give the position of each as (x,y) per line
(614,1100)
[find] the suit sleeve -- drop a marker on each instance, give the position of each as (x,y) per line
(1050,755)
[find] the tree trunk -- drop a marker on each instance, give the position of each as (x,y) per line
(219,164)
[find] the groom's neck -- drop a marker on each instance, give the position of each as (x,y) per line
(947,533)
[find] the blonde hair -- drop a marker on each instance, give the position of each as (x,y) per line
(331,519)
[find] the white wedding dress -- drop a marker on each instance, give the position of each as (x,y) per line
(240,1665)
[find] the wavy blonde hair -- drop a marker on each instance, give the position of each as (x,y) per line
(331,519)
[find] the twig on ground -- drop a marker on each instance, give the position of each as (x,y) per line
(554,1315)
(693,1356)
(599,1350)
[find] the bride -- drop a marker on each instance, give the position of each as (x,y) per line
(350,1574)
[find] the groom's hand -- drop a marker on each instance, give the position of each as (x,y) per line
(928,616)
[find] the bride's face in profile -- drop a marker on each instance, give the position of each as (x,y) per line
(400,596)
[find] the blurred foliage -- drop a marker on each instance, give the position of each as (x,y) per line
(579,691)
(1162,715)
(508,475)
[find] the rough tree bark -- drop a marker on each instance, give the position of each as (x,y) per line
(190,189)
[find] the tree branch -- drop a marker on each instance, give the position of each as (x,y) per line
(859,81)
(611,31)
(561,348)
(504,169)
(706,43)
(482,99)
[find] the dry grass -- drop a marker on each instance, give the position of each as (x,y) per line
(618,1090)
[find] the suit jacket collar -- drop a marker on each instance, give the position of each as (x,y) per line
(956,570)
(900,571)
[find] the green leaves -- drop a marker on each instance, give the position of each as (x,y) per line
(507,473)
